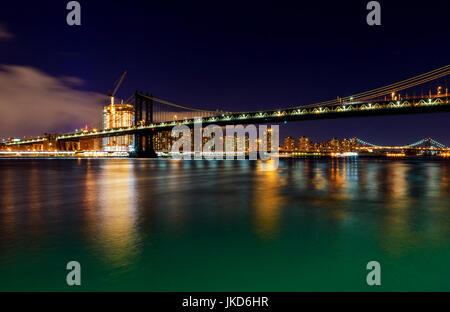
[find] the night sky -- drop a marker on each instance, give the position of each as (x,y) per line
(231,55)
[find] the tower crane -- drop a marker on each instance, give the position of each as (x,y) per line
(113,93)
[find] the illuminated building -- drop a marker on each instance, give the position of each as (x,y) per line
(117,116)
(3,146)
(162,141)
(265,140)
(242,143)
(303,144)
(237,143)
(334,145)
(289,144)
(90,145)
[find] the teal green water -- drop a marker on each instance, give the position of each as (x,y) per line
(166,225)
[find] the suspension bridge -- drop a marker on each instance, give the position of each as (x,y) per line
(154,115)
(426,144)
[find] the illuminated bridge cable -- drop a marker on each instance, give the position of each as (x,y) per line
(176,105)
(438,144)
(374,96)
(401,85)
(433,142)
(434,74)
(399,88)
(130,99)
(412,84)
(367,95)
(417,80)
(405,83)
(366,143)
(416,143)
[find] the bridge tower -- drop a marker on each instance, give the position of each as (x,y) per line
(143,140)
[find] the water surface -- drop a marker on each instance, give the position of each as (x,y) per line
(166,225)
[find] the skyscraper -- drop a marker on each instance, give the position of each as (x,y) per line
(289,144)
(117,116)
(303,144)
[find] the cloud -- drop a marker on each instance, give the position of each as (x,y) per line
(33,102)
(4,34)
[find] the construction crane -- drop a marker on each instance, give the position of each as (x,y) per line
(113,93)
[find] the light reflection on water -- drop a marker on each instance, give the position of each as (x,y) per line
(133,220)
(111,211)
(267,200)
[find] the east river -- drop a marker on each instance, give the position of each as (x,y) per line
(167,225)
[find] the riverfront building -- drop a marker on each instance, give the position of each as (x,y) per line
(305,145)
(117,116)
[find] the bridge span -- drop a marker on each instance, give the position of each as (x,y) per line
(149,120)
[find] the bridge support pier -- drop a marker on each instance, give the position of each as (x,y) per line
(144,146)
(143,142)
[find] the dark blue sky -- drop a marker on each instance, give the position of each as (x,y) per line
(241,55)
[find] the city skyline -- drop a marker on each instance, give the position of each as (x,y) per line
(79,63)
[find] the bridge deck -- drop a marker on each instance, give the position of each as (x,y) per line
(352,109)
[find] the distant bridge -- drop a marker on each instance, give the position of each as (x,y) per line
(426,144)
